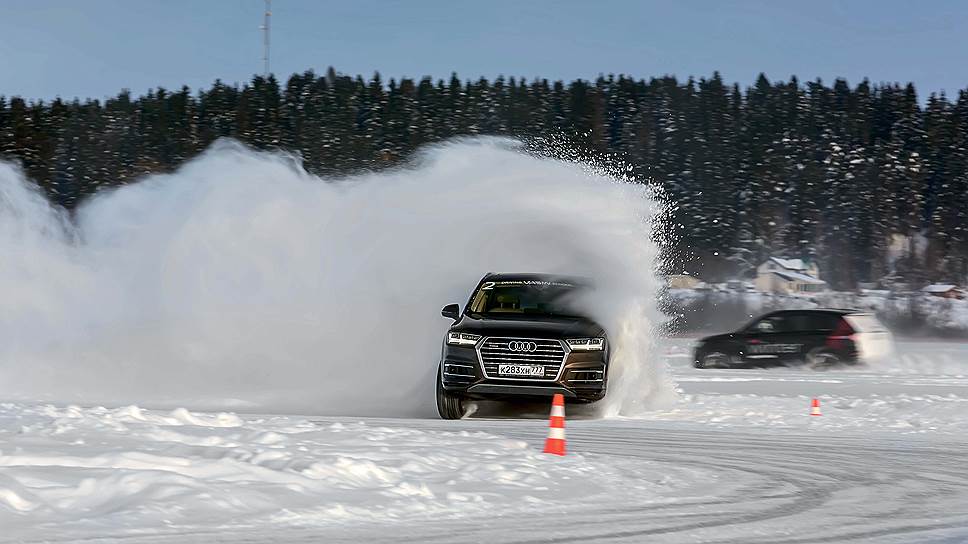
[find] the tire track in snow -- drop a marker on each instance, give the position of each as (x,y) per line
(793,489)
(749,488)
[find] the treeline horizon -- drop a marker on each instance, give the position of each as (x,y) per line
(864,180)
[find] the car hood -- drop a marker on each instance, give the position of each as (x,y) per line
(537,327)
(717,337)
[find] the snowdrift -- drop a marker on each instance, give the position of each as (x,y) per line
(72,473)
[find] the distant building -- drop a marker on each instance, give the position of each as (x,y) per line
(789,276)
(682,281)
(944,290)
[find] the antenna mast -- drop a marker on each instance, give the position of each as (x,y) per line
(265,38)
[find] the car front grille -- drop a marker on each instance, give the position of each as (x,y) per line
(550,354)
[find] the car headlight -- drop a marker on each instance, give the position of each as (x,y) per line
(462,339)
(586,344)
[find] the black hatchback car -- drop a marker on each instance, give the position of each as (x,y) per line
(817,337)
(521,336)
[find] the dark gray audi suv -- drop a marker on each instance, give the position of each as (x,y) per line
(521,336)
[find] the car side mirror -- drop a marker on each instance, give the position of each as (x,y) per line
(452,311)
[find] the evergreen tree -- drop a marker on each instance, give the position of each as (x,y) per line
(864,180)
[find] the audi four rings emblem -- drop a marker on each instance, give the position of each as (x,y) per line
(526,347)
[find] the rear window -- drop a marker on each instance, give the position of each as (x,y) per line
(865,323)
(815,321)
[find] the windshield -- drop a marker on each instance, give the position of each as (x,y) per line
(532,297)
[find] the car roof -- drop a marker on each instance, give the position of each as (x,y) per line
(838,311)
(532,276)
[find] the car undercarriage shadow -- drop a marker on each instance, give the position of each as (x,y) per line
(529,410)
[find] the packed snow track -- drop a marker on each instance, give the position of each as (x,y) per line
(743,488)
(734,459)
(627,481)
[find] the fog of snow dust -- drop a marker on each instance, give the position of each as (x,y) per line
(242,282)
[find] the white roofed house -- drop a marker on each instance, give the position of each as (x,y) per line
(682,281)
(944,290)
(789,276)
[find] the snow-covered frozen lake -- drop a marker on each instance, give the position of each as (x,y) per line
(736,459)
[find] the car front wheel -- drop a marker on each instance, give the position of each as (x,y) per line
(713,359)
(449,405)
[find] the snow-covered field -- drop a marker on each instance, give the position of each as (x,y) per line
(922,388)
(736,458)
(69,473)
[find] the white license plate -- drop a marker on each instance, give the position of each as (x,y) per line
(520,370)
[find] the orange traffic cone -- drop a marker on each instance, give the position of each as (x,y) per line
(555,444)
(815,407)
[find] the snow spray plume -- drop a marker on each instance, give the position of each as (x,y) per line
(242,282)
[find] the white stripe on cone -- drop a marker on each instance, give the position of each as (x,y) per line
(557,411)
(556,433)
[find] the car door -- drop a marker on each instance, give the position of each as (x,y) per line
(761,339)
(809,333)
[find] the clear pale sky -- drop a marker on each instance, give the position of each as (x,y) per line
(94,48)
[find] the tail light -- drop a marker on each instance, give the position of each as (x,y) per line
(841,334)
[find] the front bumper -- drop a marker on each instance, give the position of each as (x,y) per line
(583,377)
